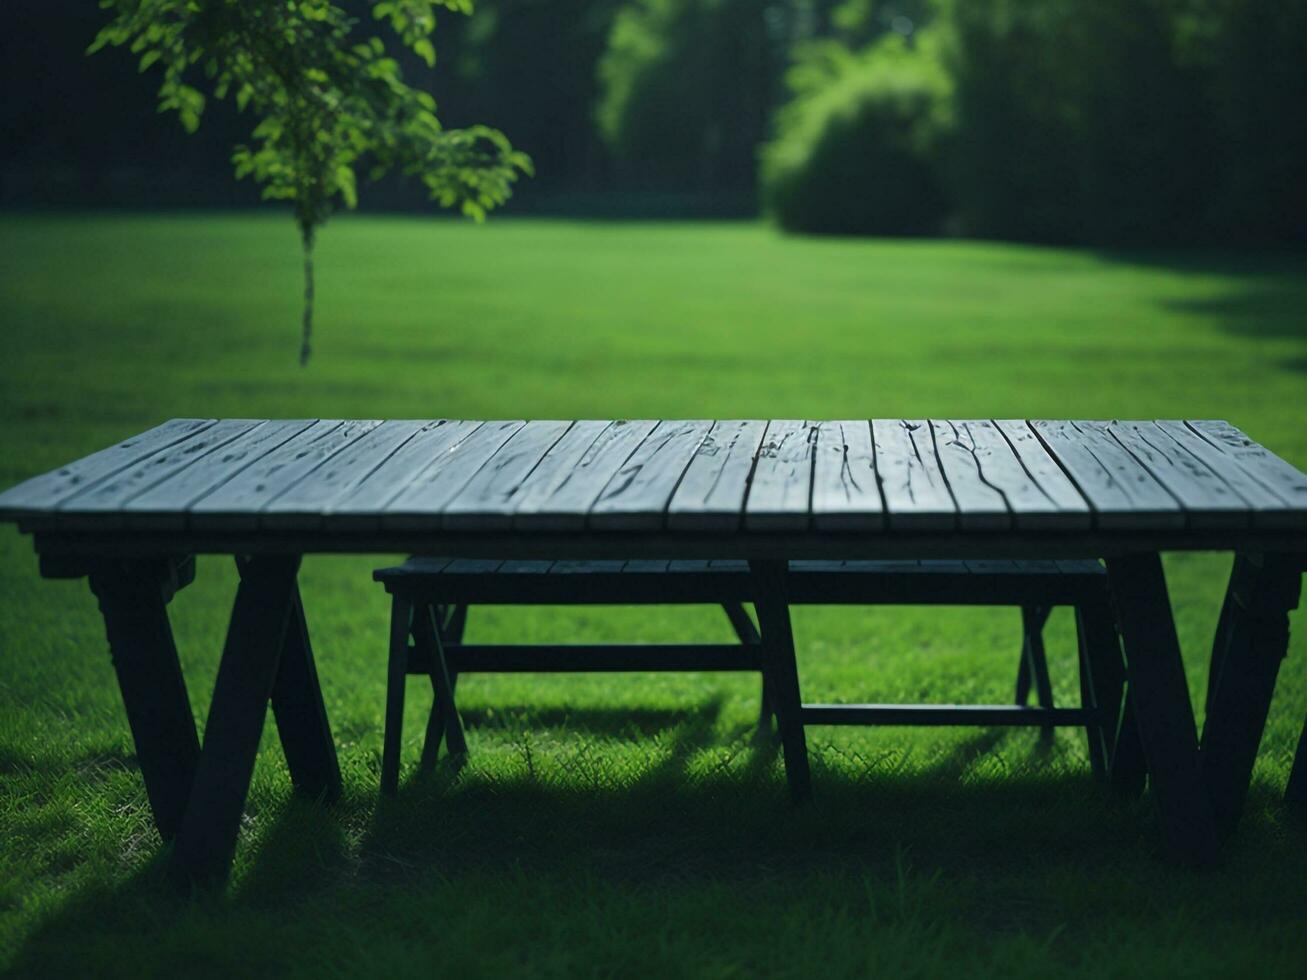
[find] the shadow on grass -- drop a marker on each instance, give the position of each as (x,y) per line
(1264,299)
(588,844)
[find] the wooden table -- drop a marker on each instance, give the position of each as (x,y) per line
(131,518)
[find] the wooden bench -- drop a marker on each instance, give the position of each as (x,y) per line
(431,598)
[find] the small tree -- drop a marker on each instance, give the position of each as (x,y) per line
(328,100)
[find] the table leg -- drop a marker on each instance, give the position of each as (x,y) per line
(1163,713)
(1222,638)
(247,672)
(301,716)
(747,634)
(773,609)
(1253,639)
(133,597)
(1033,619)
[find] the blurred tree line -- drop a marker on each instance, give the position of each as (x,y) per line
(1100,121)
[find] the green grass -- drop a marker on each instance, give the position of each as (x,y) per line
(625,826)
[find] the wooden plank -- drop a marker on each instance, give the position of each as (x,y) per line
(491,495)
(845,488)
(587,567)
(360,508)
(303,505)
(560,498)
(711,494)
(916,494)
(1047,501)
(1072,509)
(1279,477)
(44,492)
(472,566)
(1123,494)
(102,505)
(419,504)
(982,506)
(556,467)
(1267,507)
(646,566)
(164,506)
(780,494)
(1208,500)
(236,504)
(637,496)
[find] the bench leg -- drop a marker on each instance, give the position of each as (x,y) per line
(454,621)
(782,672)
(401,618)
(1295,794)
(747,634)
(251,656)
(301,715)
(1163,714)
(1102,679)
(132,601)
(436,727)
(451,622)
(1035,661)
(1263,589)
(444,719)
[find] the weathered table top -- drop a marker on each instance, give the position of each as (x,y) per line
(748,488)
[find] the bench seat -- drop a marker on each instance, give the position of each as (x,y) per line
(997,583)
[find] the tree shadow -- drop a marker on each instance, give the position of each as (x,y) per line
(1263,299)
(669,824)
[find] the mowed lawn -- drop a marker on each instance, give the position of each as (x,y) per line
(625,825)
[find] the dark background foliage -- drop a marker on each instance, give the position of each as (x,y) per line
(1098,121)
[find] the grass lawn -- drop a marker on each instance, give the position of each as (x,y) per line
(625,825)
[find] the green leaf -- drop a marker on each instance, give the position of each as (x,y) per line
(348,188)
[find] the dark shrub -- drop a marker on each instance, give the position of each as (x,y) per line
(858,149)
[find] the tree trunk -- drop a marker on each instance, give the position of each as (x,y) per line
(306,237)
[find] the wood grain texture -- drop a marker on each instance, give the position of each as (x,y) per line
(845,488)
(1208,500)
(237,503)
(46,491)
(916,494)
(972,470)
(1123,494)
(303,504)
(166,504)
(780,494)
(565,506)
(103,504)
(711,494)
(1267,508)
(555,469)
(1275,474)
(489,498)
(637,496)
(360,508)
(1072,509)
(420,503)
(723,478)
